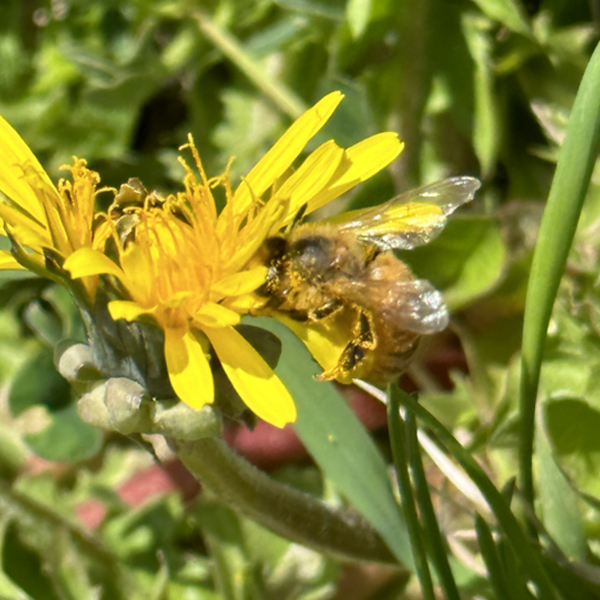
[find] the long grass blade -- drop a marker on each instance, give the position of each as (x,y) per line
(518,539)
(437,545)
(398,440)
(573,172)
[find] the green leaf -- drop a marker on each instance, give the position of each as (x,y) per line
(221,530)
(330,9)
(69,569)
(560,506)
(283,97)
(38,382)
(66,438)
(43,322)
(572,426)
(358,13)
(507,12)
(491,557)
(528,554)
(8,589)
(339,444)
(401,454)
(24,566)
(486,128)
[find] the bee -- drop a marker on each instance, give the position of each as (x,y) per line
(344,268)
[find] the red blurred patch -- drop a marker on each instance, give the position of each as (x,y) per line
(156,480)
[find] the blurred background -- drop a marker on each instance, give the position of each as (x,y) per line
(474,87)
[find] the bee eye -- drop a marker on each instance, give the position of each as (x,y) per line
(313,253)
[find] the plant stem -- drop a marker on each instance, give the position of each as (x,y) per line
(282,509)
(280,95)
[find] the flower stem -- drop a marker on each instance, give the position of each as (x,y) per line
(233,49)
(282,509)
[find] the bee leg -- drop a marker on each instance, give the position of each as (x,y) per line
(325,310)
(315,314)
(371,253)
(362,341)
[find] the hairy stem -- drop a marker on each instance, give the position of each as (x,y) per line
(282,509)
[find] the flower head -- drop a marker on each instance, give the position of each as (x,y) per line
(38,215)
(179,260)
(190,267)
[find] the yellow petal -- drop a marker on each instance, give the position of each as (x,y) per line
(244,304)
(189,370)
(279,158)
(125,309)
(8,261)
(240,283)
(313,175)
(256,383)
(22,178)
(366,158)
(28,231)
(215,315)
(140,275)
(373,154)
(325,339)
(86,261)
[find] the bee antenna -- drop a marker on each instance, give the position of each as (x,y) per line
(297,217)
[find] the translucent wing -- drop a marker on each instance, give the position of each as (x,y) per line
(411,305)
(411,219)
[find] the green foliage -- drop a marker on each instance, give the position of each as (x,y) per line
(482,87)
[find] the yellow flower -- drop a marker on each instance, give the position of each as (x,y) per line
(37,214)
(187,265)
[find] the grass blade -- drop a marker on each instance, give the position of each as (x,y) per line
(437,545)
(518,539)
(573,172)
(398,442)
(490,555)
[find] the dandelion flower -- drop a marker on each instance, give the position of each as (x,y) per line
(38,215)
(189,266)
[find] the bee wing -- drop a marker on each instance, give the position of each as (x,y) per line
(412,305)
(411,219)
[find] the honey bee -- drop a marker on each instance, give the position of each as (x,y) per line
(319,270)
